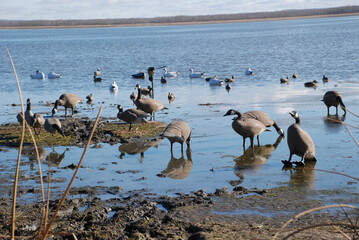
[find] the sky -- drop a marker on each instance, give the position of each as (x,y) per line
(105,9)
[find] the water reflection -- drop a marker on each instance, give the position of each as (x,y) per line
(178,168)
(31,154)
(138,146)
(302,176)
(332,124)
(54,159)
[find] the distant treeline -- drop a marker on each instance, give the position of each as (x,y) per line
(181,19)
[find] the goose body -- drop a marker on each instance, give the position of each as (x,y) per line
(148,105)
(333,98)
(53,125)
(97,73)
(68,100)
(29,116)
(131,115)
(311,84)
(325,79)
(178,131)
(214,81)
(145,91)
(230,80)
(141,75)
(54,75)
(163,79)
(248,72)
(228,87)
(193,74)
(284,80)
(171,97)
(39,122)
(246,127)
(169,74)
(38,75)
(113,86)
(299,142)
(264,119)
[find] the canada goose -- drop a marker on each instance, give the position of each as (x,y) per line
(228,87)
(246,127)
(68,100)
(89,98)
(163,79)
(29,116)
(325,79)
(299,142)
(263,118)
(148,105)
(284,80)
(39,121)
(178,131)
(311,84)
(295,75)
(333,98)
(133,96)
(131,115)
(145,91)
(229,80)
(53,125)
(171,97)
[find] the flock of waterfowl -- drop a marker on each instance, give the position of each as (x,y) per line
(249,124)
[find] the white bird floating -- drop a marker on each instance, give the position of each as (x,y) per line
(214,81)
(38,75)
(169,74)
(113,86)
(54,75)
(248,71)
(193,74)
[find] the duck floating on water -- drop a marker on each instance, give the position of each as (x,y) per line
(54,75)
(140,75)
(284,80)
(38,75)
(113,86)
(169,74)
(230,80)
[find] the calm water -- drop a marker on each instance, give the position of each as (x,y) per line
(310,47)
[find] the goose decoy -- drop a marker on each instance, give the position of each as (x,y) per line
(39,121)
(38,75)
(230,80)
(299,142)
(246,127)
(68,100)
(53,125)
(248,72)
(228,87)
(113,86)
(145,91)
(333,98)
(96,75)
(284,80)
(263,118)
(131,115)
(29,116)
(163,79)
(311,84)
(169,74)
(148,105)
(89,98)
(207,79)
(214,81)
(193,74)
(178,131)
(53,75)
(325,79)
(295,75)
(140,75)
(171,97)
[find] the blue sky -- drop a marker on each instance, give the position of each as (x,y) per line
(92,9)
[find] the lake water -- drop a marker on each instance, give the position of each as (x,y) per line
(274,49)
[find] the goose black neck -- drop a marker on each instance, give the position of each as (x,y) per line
(139,94)
(297,120)
(28,106)
(340,101)
(238,114)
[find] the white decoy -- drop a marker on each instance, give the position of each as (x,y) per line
(248,71)
(169,74)
(38,75)
(54,75)
(193,74)
(113,86)
(214,81)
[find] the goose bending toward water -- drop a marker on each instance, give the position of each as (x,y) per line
(299,142)
(148,105)
(178,131)
(248,72)
(311,84)
(53,125)
(333,98)
(265,119)
(169,74)
(68,100)
(193,74)
(29,116)
(214,81)
(131,115)
(246,127)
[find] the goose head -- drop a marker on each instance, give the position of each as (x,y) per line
(138,86)
(120,109)
(230,112)
(294,114)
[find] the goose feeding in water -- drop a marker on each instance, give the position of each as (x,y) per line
(229,80)
(145,91)
(113,86)
(193,74)
(68,100)
(131,115)
(29,116)
(248,72)
(148,105)
(38,75)
(284,80)
(246,127)
(178,131)
(169,74)
(333,98)
(265,119)
(214,81)
(171,97)
(53,125)
(325,79)
(299,142)
(54,75)
(311,84)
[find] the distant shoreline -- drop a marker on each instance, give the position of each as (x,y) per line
(183,23)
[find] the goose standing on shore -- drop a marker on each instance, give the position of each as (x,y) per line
(53,125)
(68,100)
(148,105)
(39,122)
(299,142)
(265,119)
(246,127)
(29,116)
(333,98)
(131,115)
(178,131)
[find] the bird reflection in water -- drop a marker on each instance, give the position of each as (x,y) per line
(138,147)
(332,123)
(31,154)
(178,168)
(54,159)
(302,176)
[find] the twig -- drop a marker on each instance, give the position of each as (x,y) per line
(309,211)
(339,121)
(351,222)
(352,135)
(339,230)
(343,174)
(352,112)
(73,178)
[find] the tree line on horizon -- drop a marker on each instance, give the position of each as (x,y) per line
(182,18)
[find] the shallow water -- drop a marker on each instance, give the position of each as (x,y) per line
(274,49)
